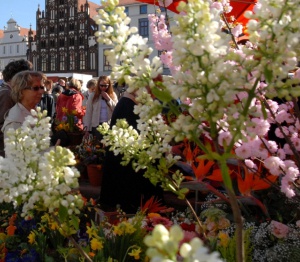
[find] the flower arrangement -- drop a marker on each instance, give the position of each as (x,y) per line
(68,122)
(90,151)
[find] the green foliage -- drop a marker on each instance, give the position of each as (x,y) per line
(228,252)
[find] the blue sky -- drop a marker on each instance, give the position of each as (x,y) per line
(22,11)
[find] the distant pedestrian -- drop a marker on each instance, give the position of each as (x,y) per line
(47,101)
(100,105)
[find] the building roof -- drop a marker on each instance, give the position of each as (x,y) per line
(128,2)
(93,7)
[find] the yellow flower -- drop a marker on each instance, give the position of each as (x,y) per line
(42,229)
(96,244)
(124,228)
(135,253)
(45,218)
(90,231)
(224,239)
(31,238)
(53,225)
(64,110)
(74,112)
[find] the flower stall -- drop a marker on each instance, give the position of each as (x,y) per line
(236,127)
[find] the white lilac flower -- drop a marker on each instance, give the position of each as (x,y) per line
(33,170)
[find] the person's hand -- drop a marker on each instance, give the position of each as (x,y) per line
(57,142)
(105,96)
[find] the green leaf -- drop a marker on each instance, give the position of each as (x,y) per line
(62,213)
(75,221)
(162,95)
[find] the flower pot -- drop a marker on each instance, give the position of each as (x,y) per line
(75,138)
(95,174)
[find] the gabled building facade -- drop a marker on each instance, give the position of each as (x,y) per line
(13,43)
(64,40)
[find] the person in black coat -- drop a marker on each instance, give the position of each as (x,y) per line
(121,185)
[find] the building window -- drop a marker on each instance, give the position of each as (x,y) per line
(61,14)
(61,42)
(72,11)
(43,43)
(62,61)
(71,27)
(61,27)
(80,40)
(18,49)
(10,49)
(52,43)
(52,14)
(144,27)
(81,59)
(143,9)
(126,10)
(72,60)
(61,2)
(53,62)
(44,63)
(106,65)
(51,29)
(93,60)
(71,41)
(3,49)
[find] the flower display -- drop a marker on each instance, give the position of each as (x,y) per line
(69,121)
(240,102)
(33,174)
(238,121)
(90,151)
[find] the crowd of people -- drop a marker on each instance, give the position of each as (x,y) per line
(104,101)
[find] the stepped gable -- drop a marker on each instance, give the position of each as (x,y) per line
(93,7)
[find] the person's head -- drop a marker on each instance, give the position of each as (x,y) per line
(15,67)
(58,89)
(48,85)
(28,87)
(104,84)
(62,82)
(74,83)
(91,85)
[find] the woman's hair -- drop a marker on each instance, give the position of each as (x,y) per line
(74,83)
(109,90)
(49,84)
(91,83)
(21,81)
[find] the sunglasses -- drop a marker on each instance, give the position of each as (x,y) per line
(106,85)
(35,88)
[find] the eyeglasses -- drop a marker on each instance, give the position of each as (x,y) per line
(35,88)
(106,85)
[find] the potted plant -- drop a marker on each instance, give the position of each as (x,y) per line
(69,125)
(91,153)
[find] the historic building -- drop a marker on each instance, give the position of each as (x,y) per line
(64,40)
(13,43)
